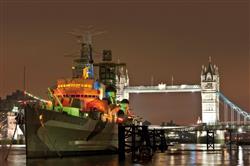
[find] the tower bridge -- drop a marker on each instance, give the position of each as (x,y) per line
(211,97)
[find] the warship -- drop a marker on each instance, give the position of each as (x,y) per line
(83,112)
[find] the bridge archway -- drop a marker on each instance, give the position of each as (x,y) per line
(182,108)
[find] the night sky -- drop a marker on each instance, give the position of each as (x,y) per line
(155,38)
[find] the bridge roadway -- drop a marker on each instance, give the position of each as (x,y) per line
(204,127)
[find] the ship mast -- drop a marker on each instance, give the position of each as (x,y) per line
(24,78)
(86,59)
(86,52)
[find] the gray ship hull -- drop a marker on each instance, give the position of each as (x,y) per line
(54,134)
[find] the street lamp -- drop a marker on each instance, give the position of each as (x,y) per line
(240,130)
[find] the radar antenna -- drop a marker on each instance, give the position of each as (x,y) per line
(85,62)
(84,38)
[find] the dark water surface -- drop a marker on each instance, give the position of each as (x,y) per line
(188,154)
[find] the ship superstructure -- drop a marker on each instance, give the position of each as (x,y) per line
(83,114)
(86,93)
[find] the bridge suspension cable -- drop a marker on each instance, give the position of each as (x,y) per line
(234,107)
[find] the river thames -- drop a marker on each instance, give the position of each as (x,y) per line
(184,154)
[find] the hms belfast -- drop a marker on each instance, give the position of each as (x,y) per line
(83,112)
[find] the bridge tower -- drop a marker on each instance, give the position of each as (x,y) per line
(210,84)
(122,81)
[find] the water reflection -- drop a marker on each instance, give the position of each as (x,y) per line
(183,155)
(240,155)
